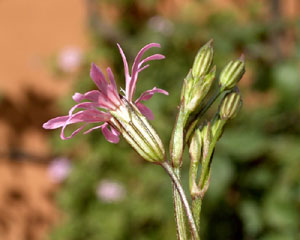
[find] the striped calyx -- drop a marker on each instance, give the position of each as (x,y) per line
(200,78)
(138,132)
(200,90)
(232,74)
(230,105)
(203,60)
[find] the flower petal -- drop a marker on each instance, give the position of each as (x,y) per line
(145,111)
(84,105)
(98,78)
(126,70)
(93,116)
(55,122)
(62,135)
(149,93)
(87,116)
(152,57)
(91,96)
(113,94)
(110,135)
(112,79)
(92,129)
(130,88)
(144,67)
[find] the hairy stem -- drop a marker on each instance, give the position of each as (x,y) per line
(179,211)
(190,218)
(196,208)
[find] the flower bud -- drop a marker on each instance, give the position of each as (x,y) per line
(203,60)
(138,132)
(200,90)
(230,105)
(195,150)
(232,74)
(206,135)
(207,150)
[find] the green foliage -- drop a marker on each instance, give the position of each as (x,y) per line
(255,188)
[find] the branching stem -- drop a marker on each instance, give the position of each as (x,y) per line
(184,200)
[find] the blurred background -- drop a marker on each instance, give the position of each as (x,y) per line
(87,188)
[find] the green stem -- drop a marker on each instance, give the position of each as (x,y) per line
(206,162)
(196,208)
(190,218)
(179,211)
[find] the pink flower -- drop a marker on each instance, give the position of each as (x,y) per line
(69,59)
(110,191)
(101,103)
(59,169)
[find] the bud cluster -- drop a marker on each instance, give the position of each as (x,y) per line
(200,78)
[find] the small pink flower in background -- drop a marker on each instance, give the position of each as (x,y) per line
(69,59)
(59,169)
(106,99)
(110,191)
(161,25)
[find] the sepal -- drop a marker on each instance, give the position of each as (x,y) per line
(138,132)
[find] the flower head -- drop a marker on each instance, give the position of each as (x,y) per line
(107,106)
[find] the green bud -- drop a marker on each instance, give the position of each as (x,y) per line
(203,60)
(195,146)
(187,85)
(177,138)
(200,90)
(232,74)
(230,105)
(207,151)
(206,135)
(138,132)
(195,150)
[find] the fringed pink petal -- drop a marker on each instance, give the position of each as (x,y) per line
(107,103)
(126,69)
(62,120)
(114,131)
(149,93)
(91,96)
(94,116)
(98,100)
(87,116)
(55,122)
(98,78)
(110,135)
(151,58)
(63,137)
(145,111)
(84,105)
(112,79)
(144,67)
(140,54)
(130,89)
(113,94)
(92,129)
